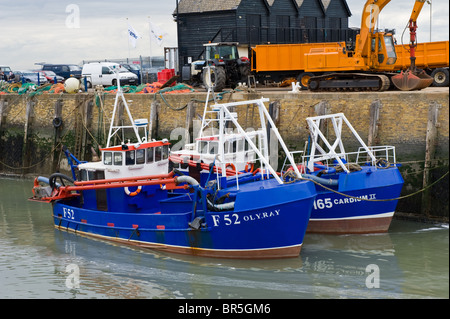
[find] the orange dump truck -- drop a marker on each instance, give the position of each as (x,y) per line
(301,61)
(280,61)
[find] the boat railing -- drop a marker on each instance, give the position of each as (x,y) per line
(377,156)
(385,152)
(262,150)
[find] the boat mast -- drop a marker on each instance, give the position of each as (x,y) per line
(226,114)
(120,95)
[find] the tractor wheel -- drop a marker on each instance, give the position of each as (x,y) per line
(244,71)
(216,79)
(440,77)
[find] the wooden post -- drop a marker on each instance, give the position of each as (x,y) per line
(57,124)
(374,123)
(274,112)
(190,113)
(322,109)
(87,120)
(154,118)
(26,151)
(3,108)
(431,141)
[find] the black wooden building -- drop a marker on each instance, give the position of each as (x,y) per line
(252,22)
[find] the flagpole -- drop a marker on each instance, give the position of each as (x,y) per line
(150,38)
(128,39)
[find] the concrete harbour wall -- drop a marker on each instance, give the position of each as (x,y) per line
(32,129)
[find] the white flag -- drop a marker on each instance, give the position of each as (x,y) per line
(157,35)
(132,36)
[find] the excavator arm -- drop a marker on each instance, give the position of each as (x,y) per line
(412,30)
(369,19)
(416,10)
(413,78)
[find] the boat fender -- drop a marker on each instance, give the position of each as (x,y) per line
(320,180)
(132,194)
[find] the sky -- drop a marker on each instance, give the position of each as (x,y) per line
(59,31)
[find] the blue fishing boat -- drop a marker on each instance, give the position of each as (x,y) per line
(130,197)
(357,192)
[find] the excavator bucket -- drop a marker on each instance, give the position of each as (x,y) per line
(411,81)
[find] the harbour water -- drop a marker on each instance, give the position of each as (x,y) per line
(39,261)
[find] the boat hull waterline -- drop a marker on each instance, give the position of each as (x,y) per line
(266,232)
(367,206)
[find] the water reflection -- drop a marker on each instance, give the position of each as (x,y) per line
(412,260)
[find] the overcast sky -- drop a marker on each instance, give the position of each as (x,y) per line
(50,31)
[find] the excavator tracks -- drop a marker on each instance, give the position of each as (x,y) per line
(347,82)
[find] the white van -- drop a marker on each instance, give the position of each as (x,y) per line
(103,73)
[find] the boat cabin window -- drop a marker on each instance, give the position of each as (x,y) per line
(240,146)
(130,158)
(150,155)
(107,158)
(156,154)
(136,157)
(140,156)
(203,147)
(233,146)
(230,146)
(90,175)
(161,153)
(165,152)
(118,158)
(213,147)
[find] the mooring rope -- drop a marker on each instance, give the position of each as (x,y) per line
(371,200)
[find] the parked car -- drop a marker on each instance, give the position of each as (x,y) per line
(64,70)
(29,76)
(134,68)
(50,76)
(103,73)
(6,74)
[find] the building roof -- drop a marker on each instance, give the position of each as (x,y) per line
(199,6)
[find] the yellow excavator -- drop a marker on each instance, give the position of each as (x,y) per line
(375,53)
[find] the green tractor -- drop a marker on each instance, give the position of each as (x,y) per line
(226,68)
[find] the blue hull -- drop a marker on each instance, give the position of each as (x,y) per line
(367,207)
(268,220)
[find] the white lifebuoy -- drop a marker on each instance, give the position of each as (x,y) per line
(137,191)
